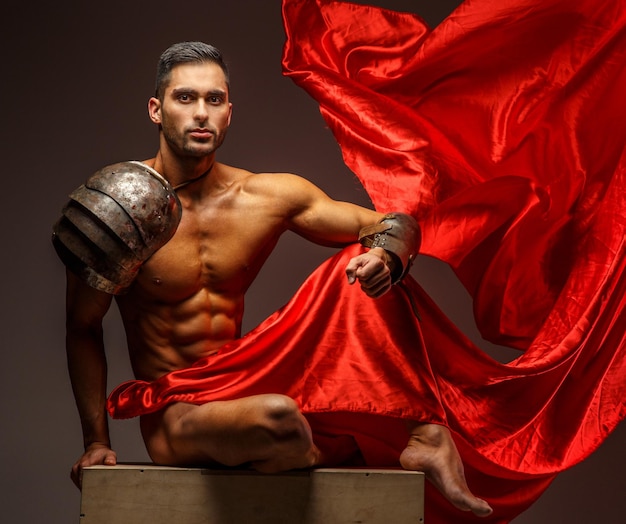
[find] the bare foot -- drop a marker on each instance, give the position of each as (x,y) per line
(432,450)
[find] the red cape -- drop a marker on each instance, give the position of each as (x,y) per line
(502,131)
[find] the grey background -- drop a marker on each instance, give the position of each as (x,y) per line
(76,77)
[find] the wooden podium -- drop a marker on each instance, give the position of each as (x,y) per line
(147,494)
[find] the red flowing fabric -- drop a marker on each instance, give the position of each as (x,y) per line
(502,131)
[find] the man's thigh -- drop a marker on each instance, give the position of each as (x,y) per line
(230,432)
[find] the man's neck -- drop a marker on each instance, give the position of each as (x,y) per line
(180,173)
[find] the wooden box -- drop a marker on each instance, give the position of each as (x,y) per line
(146,494)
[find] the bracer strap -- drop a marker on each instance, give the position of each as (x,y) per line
(400,236)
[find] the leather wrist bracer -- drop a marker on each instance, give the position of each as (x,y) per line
(400,236)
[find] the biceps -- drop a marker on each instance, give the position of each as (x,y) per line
(85,306)
(330,222)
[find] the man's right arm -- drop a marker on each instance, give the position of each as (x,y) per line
(86,359)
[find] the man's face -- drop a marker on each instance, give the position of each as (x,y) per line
(195,112)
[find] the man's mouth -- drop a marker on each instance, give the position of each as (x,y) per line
(201,134)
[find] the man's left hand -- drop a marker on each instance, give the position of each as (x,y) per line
(372,272)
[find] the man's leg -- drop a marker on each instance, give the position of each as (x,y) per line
(266,431)
(432,450)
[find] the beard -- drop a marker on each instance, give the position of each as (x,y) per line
(185,145)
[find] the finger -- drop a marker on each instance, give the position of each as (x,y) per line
(377,285)
(372,273)
(370,281)
(365,267)
(371,266)
(352,269)
(110,459)
(376,290)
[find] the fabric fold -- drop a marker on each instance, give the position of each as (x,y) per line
(502,131)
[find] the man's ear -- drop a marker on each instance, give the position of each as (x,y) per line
(154,110)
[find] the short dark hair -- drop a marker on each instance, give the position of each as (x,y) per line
(182,53)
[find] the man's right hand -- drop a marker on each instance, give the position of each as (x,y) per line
(95,454)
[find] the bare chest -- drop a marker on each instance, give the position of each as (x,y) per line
(219,248)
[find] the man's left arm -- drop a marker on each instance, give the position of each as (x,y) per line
(392,239)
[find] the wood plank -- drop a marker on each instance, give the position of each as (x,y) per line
(147,494)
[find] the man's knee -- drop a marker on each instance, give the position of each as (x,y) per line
(281,416)
(287,436)
(280,408)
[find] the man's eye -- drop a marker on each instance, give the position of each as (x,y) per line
(215,99)
(184,98)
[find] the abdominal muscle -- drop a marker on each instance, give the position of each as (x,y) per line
(164,337)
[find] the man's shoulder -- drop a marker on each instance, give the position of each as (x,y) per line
(275,182)
(286,190)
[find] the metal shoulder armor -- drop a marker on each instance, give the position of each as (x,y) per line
(114,222)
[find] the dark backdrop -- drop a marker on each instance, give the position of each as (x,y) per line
(76,77)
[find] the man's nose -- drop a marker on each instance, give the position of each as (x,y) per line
(201,110)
